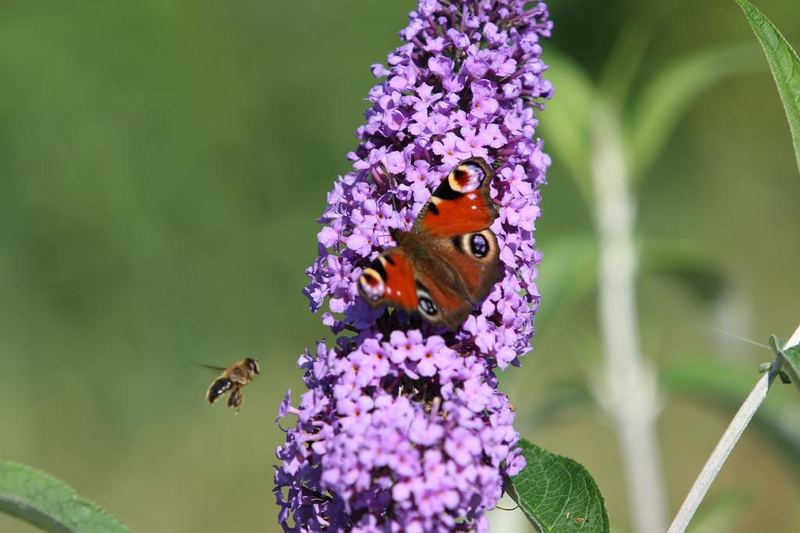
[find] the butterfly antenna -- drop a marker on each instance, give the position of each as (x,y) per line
(739,337)
(731,335)
(391,180)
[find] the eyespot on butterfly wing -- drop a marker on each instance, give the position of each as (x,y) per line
(461,203)
(390,279)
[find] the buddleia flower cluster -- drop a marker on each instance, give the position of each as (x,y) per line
(402,427)
(400,434)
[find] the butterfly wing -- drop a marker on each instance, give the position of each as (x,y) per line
(449,261)
(390,279)
(461,203)
(455,225)
(443,296)
(473,257)
(396,279)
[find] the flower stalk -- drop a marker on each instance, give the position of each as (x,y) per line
(726,444)
(629,392)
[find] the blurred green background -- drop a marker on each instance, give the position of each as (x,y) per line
(162,164)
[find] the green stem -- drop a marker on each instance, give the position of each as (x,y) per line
(629,393)
(726,444)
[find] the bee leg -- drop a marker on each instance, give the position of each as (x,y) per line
(235,399)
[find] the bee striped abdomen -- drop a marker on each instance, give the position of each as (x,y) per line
(219,387)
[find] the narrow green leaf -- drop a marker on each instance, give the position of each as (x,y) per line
(623,63)
(665,99)
(569,275)
(784,64)
(50,503)
(686,263)
(560,398)
(557,494)
(565,119)
(719,514)
(722,385)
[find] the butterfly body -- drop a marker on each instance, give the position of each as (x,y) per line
(449,260)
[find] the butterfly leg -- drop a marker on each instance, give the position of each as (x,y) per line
(391,185)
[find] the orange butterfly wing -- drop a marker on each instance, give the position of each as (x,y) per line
(461,203)
(390,279)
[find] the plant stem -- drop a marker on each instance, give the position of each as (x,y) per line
(727,442)
(629,393)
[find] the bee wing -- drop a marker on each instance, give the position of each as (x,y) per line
(210,367)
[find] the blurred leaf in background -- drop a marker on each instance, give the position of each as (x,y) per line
(49,503)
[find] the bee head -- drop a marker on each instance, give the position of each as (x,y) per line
(252,365)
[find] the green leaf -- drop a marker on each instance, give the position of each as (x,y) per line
(623,63)
(722,385)
(568,276)
(720,514)
(50,503)
(665,99)
(686,263)
(565,120)
(784,64)
(560,398)
(790,357)
(557,494)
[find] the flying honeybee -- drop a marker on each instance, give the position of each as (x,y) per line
(233,379)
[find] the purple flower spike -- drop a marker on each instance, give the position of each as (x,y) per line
(402,427)
(464,85)
(399,451)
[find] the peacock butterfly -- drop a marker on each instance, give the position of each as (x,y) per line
(449,261)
